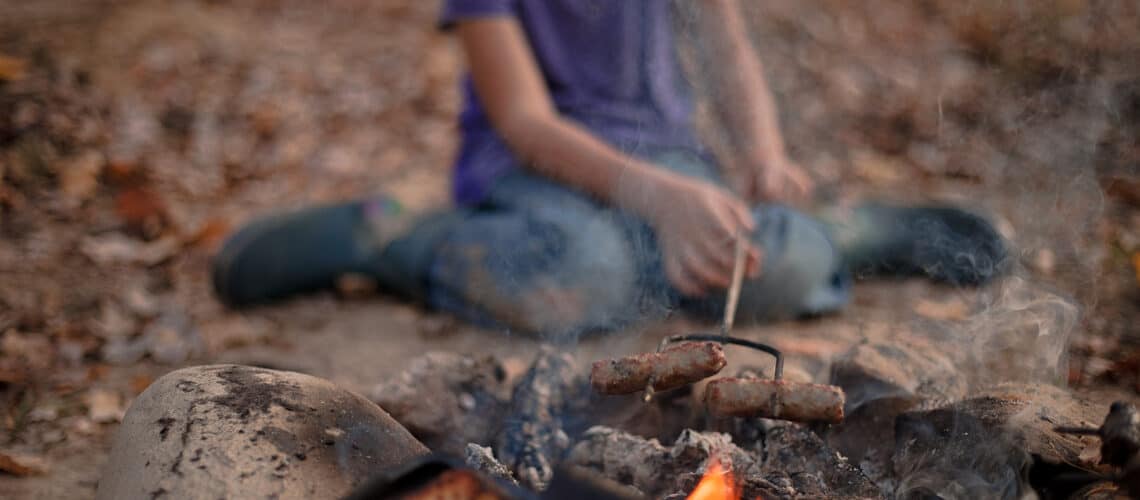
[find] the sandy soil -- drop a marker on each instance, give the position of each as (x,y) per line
(134,135)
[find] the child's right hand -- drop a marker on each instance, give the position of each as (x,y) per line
(697,224)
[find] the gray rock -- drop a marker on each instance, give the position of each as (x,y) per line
(228,431)
(468,398)
(912,370)
(483,460)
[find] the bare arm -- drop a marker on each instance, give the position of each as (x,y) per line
(695,221)
(744,104)
(511,89)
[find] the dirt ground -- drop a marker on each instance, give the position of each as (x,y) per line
(134,135)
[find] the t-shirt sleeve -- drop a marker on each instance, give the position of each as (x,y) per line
(458,10)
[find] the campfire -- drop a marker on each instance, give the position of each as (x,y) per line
(717,484)
(654,425)
(913,429)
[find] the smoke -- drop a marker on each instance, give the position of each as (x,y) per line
(950,455)
(1021,336)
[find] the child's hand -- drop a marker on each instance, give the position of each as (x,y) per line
(697,224)
(776,181)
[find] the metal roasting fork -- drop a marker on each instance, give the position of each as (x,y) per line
(732,298)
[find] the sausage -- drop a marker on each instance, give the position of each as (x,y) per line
(677,365)
(782,399)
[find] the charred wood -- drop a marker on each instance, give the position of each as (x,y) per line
(447,400)
(533,441)
(483,460)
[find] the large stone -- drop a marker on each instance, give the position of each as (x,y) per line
(1031,412)
(910,370)
(228,431)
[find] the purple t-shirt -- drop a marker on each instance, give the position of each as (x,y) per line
(610,65)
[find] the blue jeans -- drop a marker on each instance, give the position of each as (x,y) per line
(539,257)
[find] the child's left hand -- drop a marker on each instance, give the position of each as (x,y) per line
(778,180)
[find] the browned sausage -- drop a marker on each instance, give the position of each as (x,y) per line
(782,399)
(677,365)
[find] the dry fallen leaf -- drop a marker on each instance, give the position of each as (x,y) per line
(140,301)
(34,349)
(355,285)
(140,208)
(19,464)
(1136,265)
(876,168)
(140,382)
(172,338)
(104,406)
(114,322)
(79,176)
(116,248)
(12,68)
(950,310)
(209,236)
(235,331)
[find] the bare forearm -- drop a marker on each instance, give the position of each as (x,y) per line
(742,99)
(558,149)
(512,90)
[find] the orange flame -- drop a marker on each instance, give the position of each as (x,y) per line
(717,484)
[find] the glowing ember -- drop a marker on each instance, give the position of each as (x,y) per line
(717,484)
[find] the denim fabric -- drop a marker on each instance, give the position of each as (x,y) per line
(542,258)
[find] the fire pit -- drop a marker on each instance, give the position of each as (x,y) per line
(561,437)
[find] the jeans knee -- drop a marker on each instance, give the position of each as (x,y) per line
(801,271)
(542,276)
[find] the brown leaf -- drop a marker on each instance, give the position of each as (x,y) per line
(1136,265)
(140,301)
(235,331)
(22,464)
(12,68)
(12,371)
(210,235)
(116,248)
(140,208)
(114,322)
(97,371)
(140,382)
(875,168)
(79,176)
(1125,188)
(104,406)
(34,349)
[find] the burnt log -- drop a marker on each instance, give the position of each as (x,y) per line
(995,443)
(815,469)
(481,459)
(532,440)
(633,460)
(948,453)
(669,472)
(447,400)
